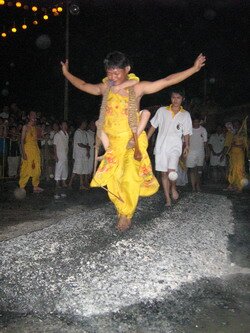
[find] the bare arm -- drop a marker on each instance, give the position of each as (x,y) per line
(145,115)
(146,87)
(187,144)
(151,131)
(93,89)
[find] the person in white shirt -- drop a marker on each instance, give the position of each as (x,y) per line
(81,155)
(216,146)
(196,155)
(174,127)
(61,148)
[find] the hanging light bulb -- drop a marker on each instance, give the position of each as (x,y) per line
(14,30)
(18,4)
(3,34)
(2,2)
(24,25)
(34,8)
(45,17)
(54,10)
(59,9)
(35,22)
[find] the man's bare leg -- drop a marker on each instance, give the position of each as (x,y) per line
(72,179)
(198,178)
(175,194)
(193,178)
(166,187)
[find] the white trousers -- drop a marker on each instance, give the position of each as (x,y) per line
(61,170)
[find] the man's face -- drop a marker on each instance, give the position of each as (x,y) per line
(176,99)
(32,117)
(64,127)
(219,130)
(117,75)
(196,123)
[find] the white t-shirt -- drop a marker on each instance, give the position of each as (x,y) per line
(61,141)
(80,136)
(198,138)
(217,142)
(171,130)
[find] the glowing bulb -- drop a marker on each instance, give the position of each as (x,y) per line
(59,9)
(24,27)
(34,9)
(2,2)
(18,4)
(35,22)
(55,13)
(3,34)
(14,29)
(54,10)
(45,17)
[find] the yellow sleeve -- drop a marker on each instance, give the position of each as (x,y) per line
(132,76)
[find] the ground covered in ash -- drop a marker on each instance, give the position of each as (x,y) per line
(64,268)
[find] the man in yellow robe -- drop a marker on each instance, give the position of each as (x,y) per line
(126,178)
(31,160)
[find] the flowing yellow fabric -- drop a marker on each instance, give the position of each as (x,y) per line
(31,167)
(236,144)
(119,171)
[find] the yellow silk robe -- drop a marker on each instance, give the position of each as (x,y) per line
(119,171)
(31,167)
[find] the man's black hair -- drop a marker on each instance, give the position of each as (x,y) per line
(116,59)
(178,90)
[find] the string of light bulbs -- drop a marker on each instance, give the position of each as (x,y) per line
(33,15)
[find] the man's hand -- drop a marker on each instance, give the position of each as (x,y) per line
(199,62)
(131,144)
(65,66)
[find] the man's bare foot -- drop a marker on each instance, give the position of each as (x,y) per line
(38,189)
(175,195)
(123,224)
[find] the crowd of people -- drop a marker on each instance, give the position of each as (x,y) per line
(182,148)
(59,150)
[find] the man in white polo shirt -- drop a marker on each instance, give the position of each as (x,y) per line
(174,129)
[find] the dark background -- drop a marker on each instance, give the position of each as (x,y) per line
(160,37)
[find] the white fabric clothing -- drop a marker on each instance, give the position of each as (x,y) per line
(196,153)
(13,163)
(61,170)
(61,141)
(91,140)
(171,129)
(198,138)
(217,142)
(195,158)
(182,179)
(81,164)
(80,136)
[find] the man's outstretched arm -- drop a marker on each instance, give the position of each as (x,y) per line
(93,89)
(146,87)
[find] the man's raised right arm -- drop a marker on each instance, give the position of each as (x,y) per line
(93,89)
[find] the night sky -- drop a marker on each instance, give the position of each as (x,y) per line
(159,36)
